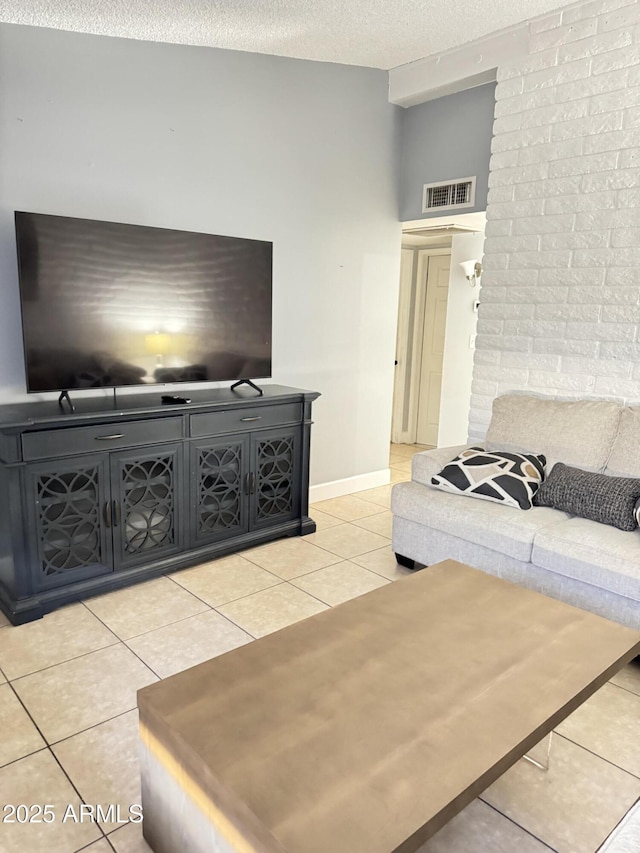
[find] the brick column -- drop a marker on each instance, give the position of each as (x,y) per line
(560,298)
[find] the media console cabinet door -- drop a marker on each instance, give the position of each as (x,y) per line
(67,506)
(219,488)
(276,472)
(147,503)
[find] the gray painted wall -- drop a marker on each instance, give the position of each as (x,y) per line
(301,153)
(446,139)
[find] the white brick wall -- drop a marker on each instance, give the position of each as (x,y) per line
(560,301)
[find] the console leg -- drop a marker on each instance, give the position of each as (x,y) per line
(407,562)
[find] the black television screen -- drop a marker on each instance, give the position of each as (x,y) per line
(106,304)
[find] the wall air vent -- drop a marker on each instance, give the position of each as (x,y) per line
(449,195)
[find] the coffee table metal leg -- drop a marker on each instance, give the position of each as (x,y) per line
(543,765)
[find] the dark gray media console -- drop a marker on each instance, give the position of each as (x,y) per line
(124,490)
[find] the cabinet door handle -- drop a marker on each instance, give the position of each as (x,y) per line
(116,513)
(246,483)
(109,437)
(246,420)
(252,483)
(107,514)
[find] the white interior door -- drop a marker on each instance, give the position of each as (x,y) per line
(435,319)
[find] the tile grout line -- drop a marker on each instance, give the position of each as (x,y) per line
(287,583)
(89,728)
(242,554)
(45,742)
(279,581)
(351,597)
(515,823)
(124,643)
(105,837)
(202,565)
(47,748)
(94,726)
(49,744)
(300,538)
(81,798)
(229,619)
(311,595)
(371,500)
(210,608)
(28,713)
(579,746)
(253,636)
(376,572)
(67,660)
(43,748)
(284,580)
(181,619)
(621,687)
(619,823)
(332,566)
(381,509)
(340,556)
(596,755)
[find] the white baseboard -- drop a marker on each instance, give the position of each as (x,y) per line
(337,488)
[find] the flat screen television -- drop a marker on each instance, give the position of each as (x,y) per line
(106,304)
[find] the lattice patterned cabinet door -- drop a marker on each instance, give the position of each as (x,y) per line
(275,491)
(67,502)
(145,489)
(218,489)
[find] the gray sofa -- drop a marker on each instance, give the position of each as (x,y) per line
(587,564)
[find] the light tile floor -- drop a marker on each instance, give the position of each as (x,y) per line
(68,720)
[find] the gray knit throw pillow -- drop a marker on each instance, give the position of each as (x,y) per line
(609,500)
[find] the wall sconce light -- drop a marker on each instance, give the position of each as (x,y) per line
(472,271)
(158,344)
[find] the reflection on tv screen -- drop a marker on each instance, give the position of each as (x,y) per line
(106,304)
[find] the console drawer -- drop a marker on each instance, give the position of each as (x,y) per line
(66,442)
(236,420)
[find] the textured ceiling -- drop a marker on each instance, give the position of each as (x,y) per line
(375,33)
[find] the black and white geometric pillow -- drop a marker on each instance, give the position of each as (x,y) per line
(508,478)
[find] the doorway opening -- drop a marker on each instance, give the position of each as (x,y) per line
(437,317)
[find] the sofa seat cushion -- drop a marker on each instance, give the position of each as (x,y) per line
(594,553)
(501,528)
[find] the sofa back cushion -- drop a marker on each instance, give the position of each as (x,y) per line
(577,432)
(624,460)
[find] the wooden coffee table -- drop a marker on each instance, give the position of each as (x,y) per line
(366,728)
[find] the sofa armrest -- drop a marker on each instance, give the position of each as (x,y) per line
(427,464)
